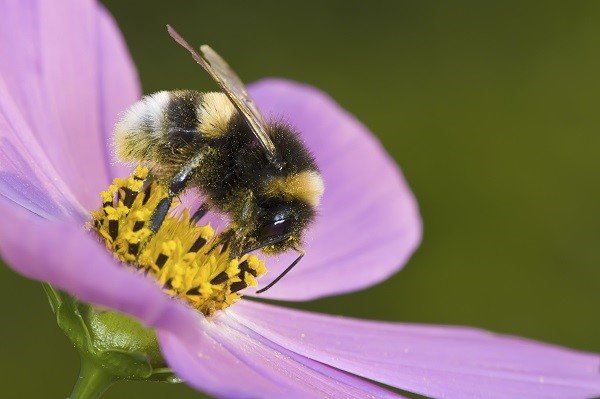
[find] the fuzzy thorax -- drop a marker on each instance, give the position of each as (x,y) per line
(185,259)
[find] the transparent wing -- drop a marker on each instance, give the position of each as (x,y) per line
(233,87)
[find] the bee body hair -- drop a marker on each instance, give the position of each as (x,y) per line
(166,130)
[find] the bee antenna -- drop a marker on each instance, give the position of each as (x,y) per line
(286,271)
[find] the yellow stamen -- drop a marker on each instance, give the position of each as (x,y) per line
(179,254)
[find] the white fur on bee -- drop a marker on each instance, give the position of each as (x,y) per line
(307,186)
(142,125)
(214,113)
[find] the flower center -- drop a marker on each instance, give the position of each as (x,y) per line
(187,260)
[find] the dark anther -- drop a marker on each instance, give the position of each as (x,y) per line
(97,224)
(225,245)
(133,249)
(147,192)
(220,278)
(193,291)
(242,275)
(113,229)
(245,268)
(199,243)
(238,285)
(161,260)
(168,284)
(105,205)
(129,197)
(199,214)
(138,178)
(137,226)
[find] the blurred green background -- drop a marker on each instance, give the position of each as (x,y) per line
(490,108)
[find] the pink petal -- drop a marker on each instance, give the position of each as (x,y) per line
(369,223)
(68,257)
(26,175)
(229,362)
(66,68)
(437,361)
(118,82)
(209,367)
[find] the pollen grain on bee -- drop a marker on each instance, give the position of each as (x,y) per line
(176,255)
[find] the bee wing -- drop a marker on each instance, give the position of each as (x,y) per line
(233,87)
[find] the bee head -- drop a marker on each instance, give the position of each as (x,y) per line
(278,226)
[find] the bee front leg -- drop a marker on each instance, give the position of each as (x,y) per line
(223,239)
(238,243)
(176,186)
(160,213)
(239,233)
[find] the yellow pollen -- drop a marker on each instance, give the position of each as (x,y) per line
(185,259)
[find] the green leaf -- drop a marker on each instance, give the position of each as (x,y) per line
(117,344)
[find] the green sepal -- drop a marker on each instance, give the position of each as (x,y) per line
(118,344)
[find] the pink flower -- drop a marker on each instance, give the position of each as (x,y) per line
(65,74)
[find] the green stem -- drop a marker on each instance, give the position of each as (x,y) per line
(92,382)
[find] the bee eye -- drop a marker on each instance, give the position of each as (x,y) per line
(277,228)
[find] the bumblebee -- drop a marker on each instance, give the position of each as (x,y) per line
(258,173)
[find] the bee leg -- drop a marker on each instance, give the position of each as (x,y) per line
(237,244)
(199,214)
(286,271)
(239,237)
(223,239)
(248,208)
(176,186)
(160,213)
